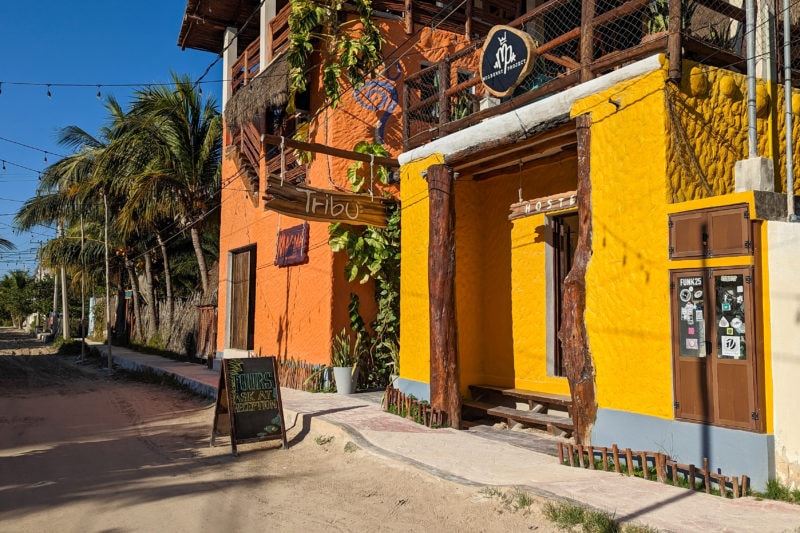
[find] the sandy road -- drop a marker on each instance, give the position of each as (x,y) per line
(83,452)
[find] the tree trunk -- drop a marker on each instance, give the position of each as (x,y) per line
(150,296)
(167,281)
(137,305)
(64,304)
(441,286)
(578,364)
(201,259)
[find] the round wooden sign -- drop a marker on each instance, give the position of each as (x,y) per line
(507,59)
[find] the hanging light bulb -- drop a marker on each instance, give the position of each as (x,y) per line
(45,157)
(4,165)
(1,87)
(200,90)
(49,94)
(98,93)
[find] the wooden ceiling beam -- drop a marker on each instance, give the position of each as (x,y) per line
(529,165)
(509,155)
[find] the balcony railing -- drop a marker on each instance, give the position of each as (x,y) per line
(248,64)
(577,41)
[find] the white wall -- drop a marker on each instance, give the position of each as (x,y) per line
(783,248)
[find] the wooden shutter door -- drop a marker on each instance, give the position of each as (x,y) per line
(692,378)
(734,359)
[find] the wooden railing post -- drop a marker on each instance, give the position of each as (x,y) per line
(587,39)
(441,286)
(674,39)
(444,85)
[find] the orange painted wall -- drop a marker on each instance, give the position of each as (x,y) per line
(299,308)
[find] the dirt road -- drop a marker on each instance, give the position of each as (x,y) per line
(83,452)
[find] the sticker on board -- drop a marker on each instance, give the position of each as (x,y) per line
(731,346)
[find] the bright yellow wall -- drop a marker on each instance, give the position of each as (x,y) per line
(628,307)
(415,348)
(627,285)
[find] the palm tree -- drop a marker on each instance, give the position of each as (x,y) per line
(6,245)
(181,180)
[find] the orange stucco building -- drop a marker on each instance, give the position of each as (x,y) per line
(282,291)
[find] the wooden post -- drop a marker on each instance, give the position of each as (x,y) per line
(580,456)
(578,364)
(692,474)
(587,39)
(441,286)
(629,461)
(706,475)
(615,458)
(643,455)
(444,85)
(605,459)
(561,453)
(674,39)
(468,20)
(408,17)
(735,486)
(571,454)
(591,458)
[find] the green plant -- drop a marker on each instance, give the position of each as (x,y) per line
(720,36)
(351,47)
(374,253)
(323,439)
(568,516)
(657,15)
(778,491)
(350,447)
(343,351)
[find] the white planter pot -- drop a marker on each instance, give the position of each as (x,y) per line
(345,379)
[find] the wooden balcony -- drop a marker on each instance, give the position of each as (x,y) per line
(578,40)
(248,64)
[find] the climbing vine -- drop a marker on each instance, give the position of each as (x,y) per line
(351,47)
(373,253)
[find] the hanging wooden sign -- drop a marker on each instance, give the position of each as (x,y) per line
(292,248)
(249,407)
(557,202)
(506,59)
(308,203)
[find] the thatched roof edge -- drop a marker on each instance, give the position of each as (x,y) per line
(269,88)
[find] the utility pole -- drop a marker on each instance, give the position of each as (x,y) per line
(108,299)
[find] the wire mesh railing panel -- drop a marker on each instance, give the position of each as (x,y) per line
(572,45)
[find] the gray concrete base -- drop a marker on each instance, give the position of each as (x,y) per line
(410,387)
(754,174)
(729,451)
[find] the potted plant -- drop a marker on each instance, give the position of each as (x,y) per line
(344,361)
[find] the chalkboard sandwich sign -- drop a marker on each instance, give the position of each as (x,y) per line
(248,403)
(506,59)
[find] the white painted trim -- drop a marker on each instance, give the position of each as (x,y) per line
(229,56)
(527,117)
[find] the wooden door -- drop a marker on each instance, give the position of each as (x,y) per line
(242,306)
(715,362)
(692,374)
(734,358)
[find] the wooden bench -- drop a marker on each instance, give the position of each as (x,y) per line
(533,418)
(553,411)
(546,399)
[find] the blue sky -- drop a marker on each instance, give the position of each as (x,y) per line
(92,42)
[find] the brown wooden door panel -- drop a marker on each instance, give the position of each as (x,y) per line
(241,300)
(729,230)
(714,347)
(735,394)
(693,397)
(688,235)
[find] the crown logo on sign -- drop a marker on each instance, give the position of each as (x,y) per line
(503,39)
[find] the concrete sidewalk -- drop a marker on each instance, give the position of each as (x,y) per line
(469,458)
